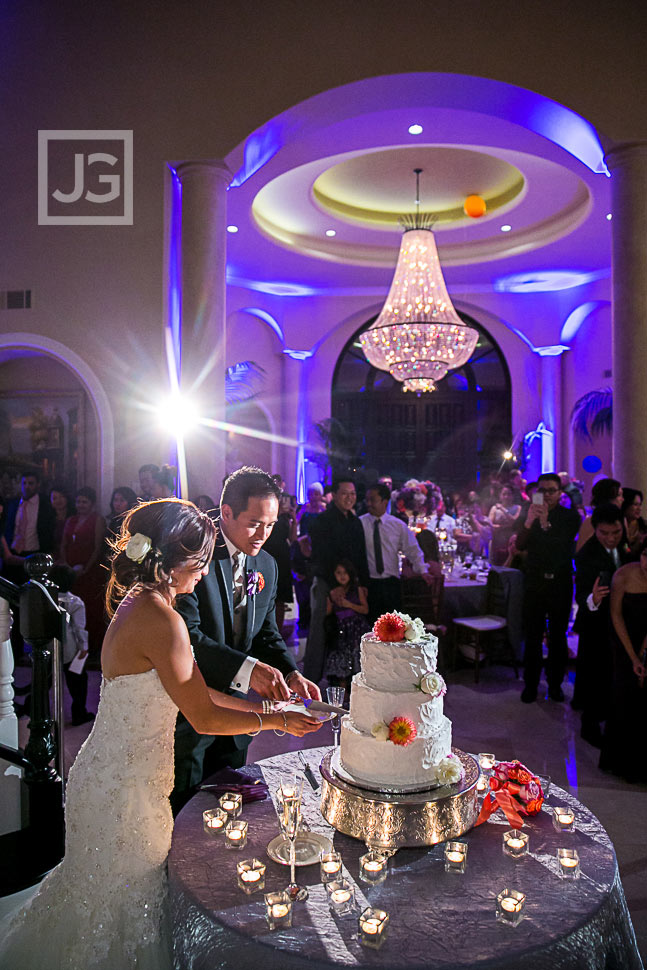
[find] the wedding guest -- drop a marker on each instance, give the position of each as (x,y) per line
(503,516)
(75,642)
(82,549)
(122,500)
(63,505)
(548,535)
(635,525)
(595,564)
(346,621)
(205,503)
(164,482)
(146,473)
(571,492)
(604,491)
(440,521)
(277,545)
(336,534)
(313,507)
(386,539)
(231,621)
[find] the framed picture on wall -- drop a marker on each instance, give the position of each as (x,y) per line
(43,431)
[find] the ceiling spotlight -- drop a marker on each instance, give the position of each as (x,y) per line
(415,129)
(232,228)
(508,456)
(506,228)
(331,232)
(609,216)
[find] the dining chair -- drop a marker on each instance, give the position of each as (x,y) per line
(481,631)
(425,600)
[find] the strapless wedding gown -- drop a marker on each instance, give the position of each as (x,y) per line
(104,906)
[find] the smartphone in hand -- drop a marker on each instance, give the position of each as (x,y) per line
(537,498)
(604,579)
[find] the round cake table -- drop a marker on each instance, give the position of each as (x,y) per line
(437,920)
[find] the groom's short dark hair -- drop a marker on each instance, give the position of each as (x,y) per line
(245,483)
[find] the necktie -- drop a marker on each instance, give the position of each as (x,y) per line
(238,562)
(615,557)
(377,546)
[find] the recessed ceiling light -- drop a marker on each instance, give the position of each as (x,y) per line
(331,232)
(415,129)
(506,228)
(232,228)
(609,216)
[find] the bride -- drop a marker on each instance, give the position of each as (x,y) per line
(103,907)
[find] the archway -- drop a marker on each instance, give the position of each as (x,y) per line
(452,436)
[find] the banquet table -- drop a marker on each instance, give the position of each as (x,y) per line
(437,920)
(464,596)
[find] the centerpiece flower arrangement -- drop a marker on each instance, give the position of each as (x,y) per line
(514,789)
(418,498)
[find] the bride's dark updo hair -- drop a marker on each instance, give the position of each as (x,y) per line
(170,533)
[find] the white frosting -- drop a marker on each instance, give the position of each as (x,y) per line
(368,706)
(385,763)
(396,666)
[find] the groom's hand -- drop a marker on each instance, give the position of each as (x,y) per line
(303,687)
(269,682)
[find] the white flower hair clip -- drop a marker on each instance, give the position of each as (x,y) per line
(138,547)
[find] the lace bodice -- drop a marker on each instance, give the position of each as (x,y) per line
(103,906)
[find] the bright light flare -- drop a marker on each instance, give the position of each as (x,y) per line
(508,456)
(177,415)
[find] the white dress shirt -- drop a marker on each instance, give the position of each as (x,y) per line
(396,538)
(243,675)
(25,538)
(446,522)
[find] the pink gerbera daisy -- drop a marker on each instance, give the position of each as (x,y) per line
(402,730)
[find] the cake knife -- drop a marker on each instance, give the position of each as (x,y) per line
(308,772)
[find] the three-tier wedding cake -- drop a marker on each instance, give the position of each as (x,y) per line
(396,735)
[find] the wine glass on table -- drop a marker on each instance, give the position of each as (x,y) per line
(335,696)
(290,821)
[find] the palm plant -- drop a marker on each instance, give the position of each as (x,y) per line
(592,414)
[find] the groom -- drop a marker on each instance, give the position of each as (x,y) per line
(232,626)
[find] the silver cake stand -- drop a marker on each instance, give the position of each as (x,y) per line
(396,820)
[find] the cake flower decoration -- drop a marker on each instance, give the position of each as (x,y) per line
(449,770)
(380,731)
(390,628)
(402,730)
(433,684)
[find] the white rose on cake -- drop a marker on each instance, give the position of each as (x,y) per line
(432,684)
(449,771)
(380,731)
(415,628)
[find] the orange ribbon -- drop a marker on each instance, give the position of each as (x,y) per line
(503,800)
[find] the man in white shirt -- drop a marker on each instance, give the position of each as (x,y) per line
(439,521)
(387,538)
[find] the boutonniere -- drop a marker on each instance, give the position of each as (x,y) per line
(255,583)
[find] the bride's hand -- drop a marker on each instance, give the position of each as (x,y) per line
(299,724)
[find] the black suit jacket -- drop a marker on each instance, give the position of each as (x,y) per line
(208,613)
(590,561)
(45,523)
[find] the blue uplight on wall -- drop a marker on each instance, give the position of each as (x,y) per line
(591,464)
(547,281)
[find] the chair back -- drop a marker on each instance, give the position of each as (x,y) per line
(497,594)
(423,599)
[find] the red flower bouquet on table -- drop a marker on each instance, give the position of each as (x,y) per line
(515,790)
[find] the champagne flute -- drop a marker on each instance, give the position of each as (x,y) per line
(335,696)
(290,820)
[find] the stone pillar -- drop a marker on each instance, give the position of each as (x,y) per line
(553,448)
(294,419)
(627,163)
(204,260)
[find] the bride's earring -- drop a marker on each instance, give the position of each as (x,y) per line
(172,581)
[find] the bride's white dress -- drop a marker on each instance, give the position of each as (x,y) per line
(103,907)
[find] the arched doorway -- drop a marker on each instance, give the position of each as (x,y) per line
(453,436)
(248,449)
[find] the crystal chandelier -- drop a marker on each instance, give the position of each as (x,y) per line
(418,336)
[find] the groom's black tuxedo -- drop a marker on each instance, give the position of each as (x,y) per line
(208,613)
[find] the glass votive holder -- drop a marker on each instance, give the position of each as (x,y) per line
(330,866)
(509,906)
(373,866)
(341,897)
(251,875)
(231,803)
(515,843)
(214,821)
(563,819)
(278,910)
(236,835)
(482,784)
(486,761)
(456,857)
(569,863)
(372,927)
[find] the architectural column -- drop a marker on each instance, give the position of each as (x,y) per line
(627,163)
(203,281)
(553,448)
(294,404)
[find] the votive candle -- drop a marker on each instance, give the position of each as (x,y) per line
(231,803)
(251,875)
(372,927)
(278,910)
(330,866)
(341,897)
(563,819)
(515,843)
(455,857)
(509,906)
(236,835)
(482,784)
(569,863)
(373,867)
(486,760)
(214,821)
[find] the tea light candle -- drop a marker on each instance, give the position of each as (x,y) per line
(372,926)
(236,835)
(509,906)
(251,875)
(486,760)
(482,784)
(563,819)
(278,910)
(214,821)
(329,866)
(515,843)
(231,803)
(569,863)
(373,867)
(455,857)
(341,897)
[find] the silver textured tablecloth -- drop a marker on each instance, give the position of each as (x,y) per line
(437,920)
